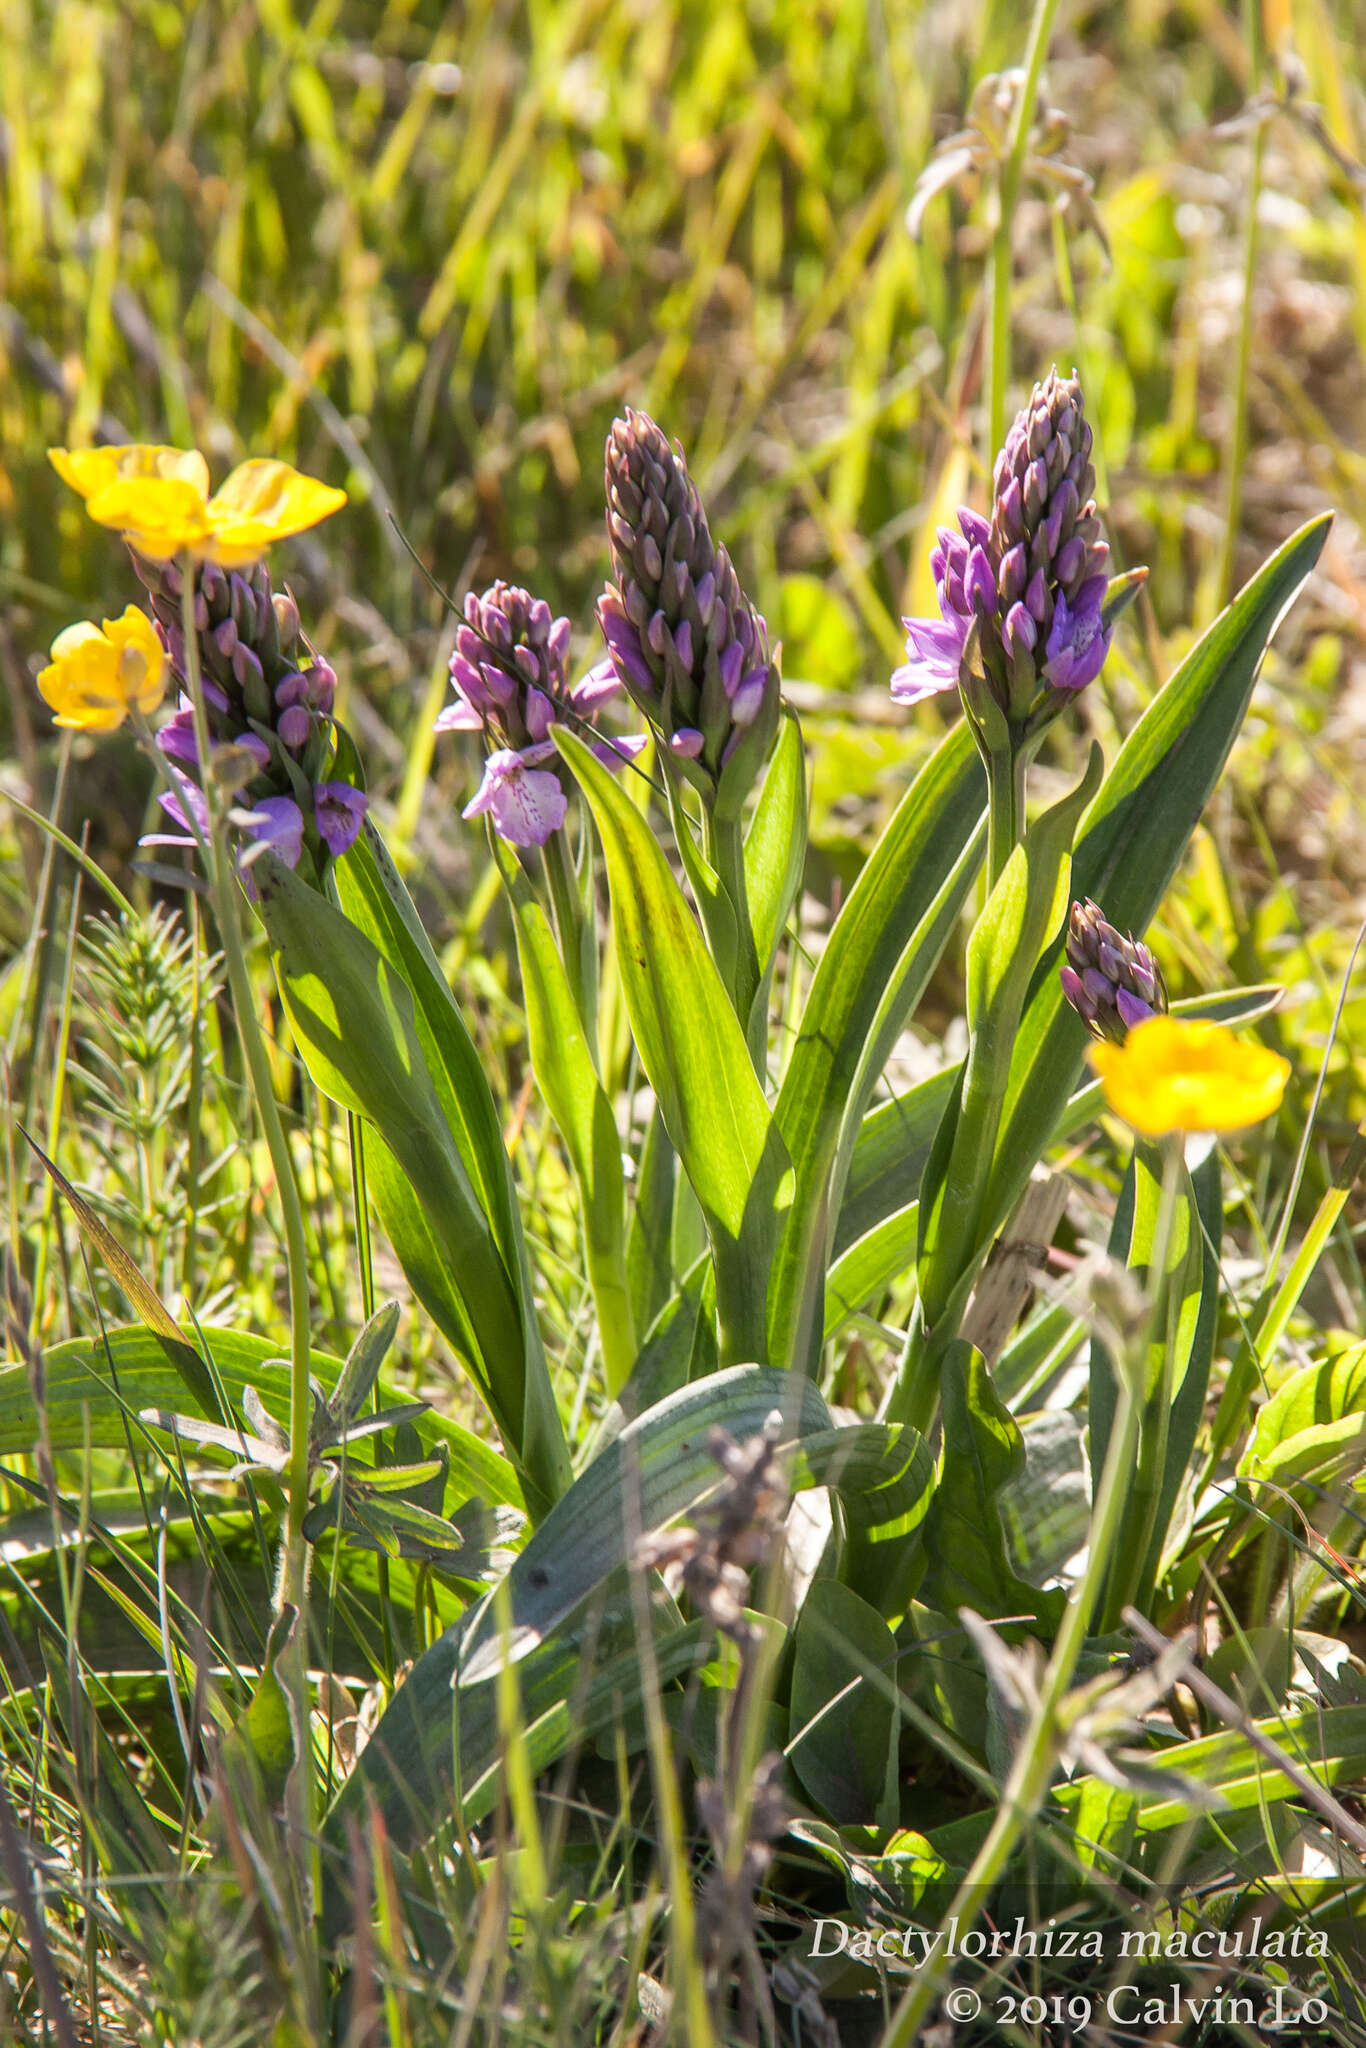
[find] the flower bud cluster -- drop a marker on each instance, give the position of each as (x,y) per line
(684,639)
(511,683)
(1112,981)
(1032,577)
(269,710)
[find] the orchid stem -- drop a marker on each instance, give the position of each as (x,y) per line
(1006,768)
(292,1586)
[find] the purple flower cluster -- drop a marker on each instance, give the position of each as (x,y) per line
(683,637)
(1112,981)
(1032,577)
(511,683)
(269,710)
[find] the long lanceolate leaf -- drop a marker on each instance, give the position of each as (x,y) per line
(694,1053)
(882,951)
(575,1097)
(352,1014)
(372,894)
(1177,1366)
(95,1388)
(659,1467)
(1127,852)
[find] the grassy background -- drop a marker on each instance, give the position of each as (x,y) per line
(429,253)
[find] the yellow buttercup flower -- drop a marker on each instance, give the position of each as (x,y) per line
(96,678)
(158,499)
(1175,1075)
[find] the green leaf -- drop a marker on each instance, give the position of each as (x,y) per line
(1182,1350)
(660,1466)
(570,1690)
(884,946)
(374,899)
(694,1053)
(1328,1742)
(1313,1427)
(844,1726)
(101,1384)
(775,845)
(568,1079)
(358,1376)
(352,1014)
(1023,913)
(888,1162)
(967,1562)
(869,1265)
(649,1260)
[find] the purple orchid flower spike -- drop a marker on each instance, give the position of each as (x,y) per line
(682,636)
(509,671)
(1032,576)
(268,696)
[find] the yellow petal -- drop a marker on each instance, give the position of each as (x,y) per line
(160,516)
(72,637)
(142,664)
(91,470)
(1174,1075)
(263,502)
(81,683)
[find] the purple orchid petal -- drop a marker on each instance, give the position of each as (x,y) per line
(597,688)
(683,644)
(254,745)
(615,753)
(539,713)
(979,585)
(746,703)
(339,810)
(936,652)
(557,640)
(176,739)
(294,726)
(468,682)
(526,804)
(459,717)
(321,678)
(1132,1009)
(185,803)
(687,742)
(1020,632)
(1077,646)
(277,824)
(976,529)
